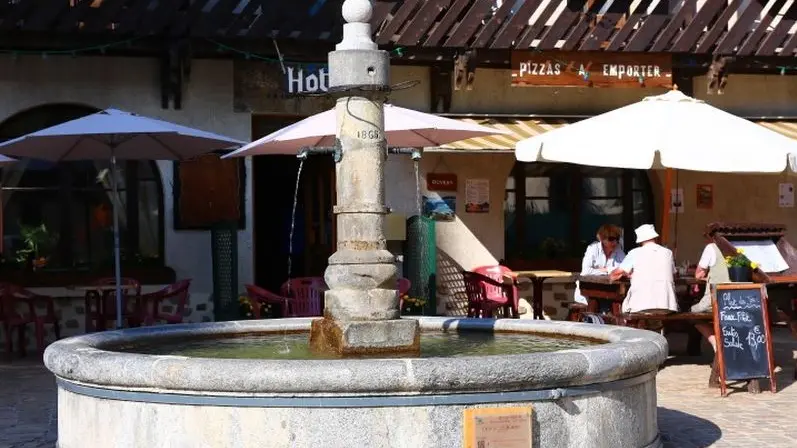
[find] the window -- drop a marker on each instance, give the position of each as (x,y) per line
(66,208)
(563,205)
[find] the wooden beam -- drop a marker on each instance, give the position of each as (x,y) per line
(466,29)
(694,29)
(710,38)
(423,21)
(398,20)
(776,36)
(534,30)
(605,25)
(507,36)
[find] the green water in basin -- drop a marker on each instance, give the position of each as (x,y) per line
(296,346)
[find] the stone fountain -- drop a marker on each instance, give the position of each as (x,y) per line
(362,308)
(368,378)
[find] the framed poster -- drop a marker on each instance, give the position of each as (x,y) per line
(705,196)
(477,196)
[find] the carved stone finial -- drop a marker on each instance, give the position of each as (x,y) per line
(355,11)
(357,29)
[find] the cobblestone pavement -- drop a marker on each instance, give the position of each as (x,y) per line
(690,414)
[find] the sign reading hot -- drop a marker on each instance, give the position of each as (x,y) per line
(570,69)
(307,79)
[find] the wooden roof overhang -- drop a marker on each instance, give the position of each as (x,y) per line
(707,27)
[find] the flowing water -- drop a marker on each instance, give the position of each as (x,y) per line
(293,217)
(433,344)
(417,188)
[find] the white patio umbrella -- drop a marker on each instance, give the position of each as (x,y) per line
(404,128)
(111,135)
(665,131)
(685,133)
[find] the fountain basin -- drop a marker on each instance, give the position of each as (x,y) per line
(600,395)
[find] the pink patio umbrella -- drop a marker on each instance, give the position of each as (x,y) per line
(404,128)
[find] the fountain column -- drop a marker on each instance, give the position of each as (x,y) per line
(361,314)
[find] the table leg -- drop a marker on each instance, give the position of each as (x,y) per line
(536,299)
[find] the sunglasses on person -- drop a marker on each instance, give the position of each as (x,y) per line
(612,239)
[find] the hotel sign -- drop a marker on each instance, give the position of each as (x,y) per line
(307,78)
(580,69)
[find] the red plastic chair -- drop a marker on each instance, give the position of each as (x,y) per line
(494,293)
(485,295)
(175,292)
(259,297)
(305,296)
(104,308)
(10,298)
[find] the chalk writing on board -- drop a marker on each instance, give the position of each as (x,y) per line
(740,303)
(730,338)
(755,338)
(738,316)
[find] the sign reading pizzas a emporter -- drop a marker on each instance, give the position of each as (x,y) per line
(573,69)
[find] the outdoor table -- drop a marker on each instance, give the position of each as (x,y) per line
(537,279)
(601,288)
(100,294)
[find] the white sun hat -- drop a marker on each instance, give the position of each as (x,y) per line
(645,232)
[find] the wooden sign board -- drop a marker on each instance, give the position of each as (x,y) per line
(578,69)
(507,427)
(208,190)
(441,182)
(744,338)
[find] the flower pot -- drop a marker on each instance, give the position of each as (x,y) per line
(740,273)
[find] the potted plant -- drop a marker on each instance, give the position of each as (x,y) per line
(740,268)
(37,242)
(412,306)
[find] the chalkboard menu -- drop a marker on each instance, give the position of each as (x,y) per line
(744,341)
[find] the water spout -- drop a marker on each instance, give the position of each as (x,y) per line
(414,153)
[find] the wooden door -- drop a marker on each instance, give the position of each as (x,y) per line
(317,189)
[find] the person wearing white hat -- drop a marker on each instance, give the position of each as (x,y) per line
(651,268)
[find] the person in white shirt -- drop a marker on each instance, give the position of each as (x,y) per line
(651,268)
(602,256)
(713,268)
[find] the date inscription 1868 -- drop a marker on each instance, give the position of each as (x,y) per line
(368,134)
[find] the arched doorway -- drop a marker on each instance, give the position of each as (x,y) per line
(64,209)
(552,211)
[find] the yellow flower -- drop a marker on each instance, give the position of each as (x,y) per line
(753,265)
(739,251)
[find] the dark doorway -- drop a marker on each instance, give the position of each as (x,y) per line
(273,183)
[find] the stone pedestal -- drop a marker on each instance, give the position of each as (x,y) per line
(362,307)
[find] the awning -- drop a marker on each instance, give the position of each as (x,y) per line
(523,128)
(786,128)
(519,129)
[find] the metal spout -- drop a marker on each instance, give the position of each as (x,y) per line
(414,153)
(307,151)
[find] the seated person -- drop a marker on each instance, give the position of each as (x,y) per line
(602,256)
(713,268)
(651,268)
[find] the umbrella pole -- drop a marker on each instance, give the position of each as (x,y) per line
(665,217)
(116,250)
